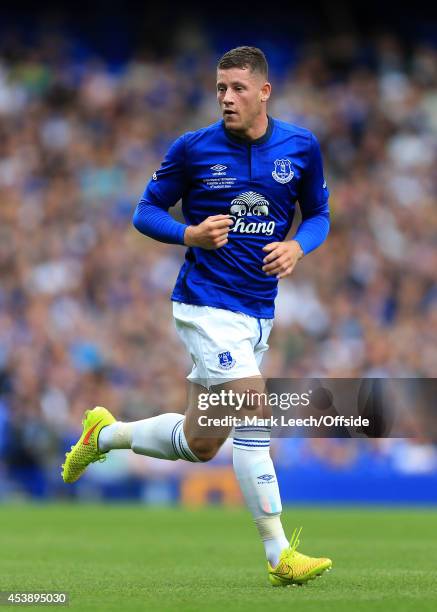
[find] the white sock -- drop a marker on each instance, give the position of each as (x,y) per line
(256,474)
(117,435)
(161,437)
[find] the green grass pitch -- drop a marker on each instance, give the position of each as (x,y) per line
(134,558)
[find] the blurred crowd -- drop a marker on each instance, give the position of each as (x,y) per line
(85,315)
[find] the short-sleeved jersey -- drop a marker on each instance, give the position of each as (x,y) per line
(258,183)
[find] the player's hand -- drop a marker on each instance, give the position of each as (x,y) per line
(210,234)
(282,258)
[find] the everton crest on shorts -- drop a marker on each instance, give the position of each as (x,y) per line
(225,360)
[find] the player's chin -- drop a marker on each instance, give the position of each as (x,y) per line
(232,119)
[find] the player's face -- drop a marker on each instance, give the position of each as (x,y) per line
(242,96)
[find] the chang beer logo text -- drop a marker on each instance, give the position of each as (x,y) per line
(246,210)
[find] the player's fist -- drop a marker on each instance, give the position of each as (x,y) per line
(210,234)
(281,258)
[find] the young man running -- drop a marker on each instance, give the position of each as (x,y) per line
(239,180)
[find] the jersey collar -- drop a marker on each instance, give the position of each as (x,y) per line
(261,140)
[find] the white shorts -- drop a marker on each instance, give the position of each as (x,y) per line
(223,345)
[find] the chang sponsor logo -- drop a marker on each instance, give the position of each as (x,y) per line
(246,209)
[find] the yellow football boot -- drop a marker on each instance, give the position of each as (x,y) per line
(294,567)
(86,450)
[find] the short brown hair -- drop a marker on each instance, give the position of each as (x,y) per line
(245,57)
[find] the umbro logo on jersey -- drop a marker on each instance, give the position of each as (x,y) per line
(218,170)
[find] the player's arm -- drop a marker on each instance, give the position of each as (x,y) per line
(313,202)
(165,189)
(313,230)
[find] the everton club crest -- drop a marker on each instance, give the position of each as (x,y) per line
(282,172)
(225,360)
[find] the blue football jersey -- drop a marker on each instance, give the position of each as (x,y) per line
(258,183)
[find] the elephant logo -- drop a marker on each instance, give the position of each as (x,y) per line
(249,204)
(238,207)
(282,172)
(245,211)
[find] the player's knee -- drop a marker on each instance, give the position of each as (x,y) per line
(205,449)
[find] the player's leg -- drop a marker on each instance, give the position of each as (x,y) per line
(256,475)
(161,436)
(229,346)
(168,436)
(203,331)
(252,463)
(204,441)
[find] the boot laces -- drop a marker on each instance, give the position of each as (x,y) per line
(294,542)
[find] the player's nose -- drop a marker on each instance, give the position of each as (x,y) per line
(227,98)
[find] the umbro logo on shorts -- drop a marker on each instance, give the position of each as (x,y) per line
(266,477)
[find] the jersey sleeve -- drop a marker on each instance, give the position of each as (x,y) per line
(165,189)
(313,202)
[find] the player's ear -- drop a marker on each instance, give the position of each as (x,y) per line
(265,92)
